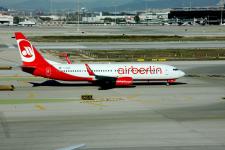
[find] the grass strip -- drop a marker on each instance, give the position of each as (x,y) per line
(149,55)
(126,55)
(32,101)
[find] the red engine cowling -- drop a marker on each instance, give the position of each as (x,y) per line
(171,80)
(124,82)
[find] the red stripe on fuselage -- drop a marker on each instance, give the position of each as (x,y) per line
(50,72)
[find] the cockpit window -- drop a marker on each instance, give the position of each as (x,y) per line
(175,69)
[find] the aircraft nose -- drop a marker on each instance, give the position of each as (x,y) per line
(182,73)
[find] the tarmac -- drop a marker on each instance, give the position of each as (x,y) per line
(189,115)
(131,45)
(8,31)
(67,30)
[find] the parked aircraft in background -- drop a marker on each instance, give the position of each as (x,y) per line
(104,75)
(27,23)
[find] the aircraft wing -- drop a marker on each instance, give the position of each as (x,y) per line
(107,82)
(75,147)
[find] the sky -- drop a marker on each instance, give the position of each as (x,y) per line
(104,4)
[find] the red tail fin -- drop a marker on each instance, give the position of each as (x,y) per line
(29,55)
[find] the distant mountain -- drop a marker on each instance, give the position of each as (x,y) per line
(146,4)
(106,5)
(63,5)
(3,9)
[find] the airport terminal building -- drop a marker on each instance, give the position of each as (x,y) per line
(203,15)
(6,19)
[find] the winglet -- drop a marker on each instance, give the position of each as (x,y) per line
(19,35)
(68,59)
(73,147)
(90,72)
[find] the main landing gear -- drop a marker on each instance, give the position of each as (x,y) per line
(169,82)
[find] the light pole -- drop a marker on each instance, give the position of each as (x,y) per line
(190,5)
(115,14)
(50,7)
(221,15)
(114,4)
(78,15)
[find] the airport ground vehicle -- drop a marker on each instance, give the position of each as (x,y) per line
(104,75)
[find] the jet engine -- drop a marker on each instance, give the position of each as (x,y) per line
(124,82)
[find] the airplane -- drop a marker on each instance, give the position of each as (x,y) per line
(106,76)
(27,23)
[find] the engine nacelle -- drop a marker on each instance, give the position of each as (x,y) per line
(124,82)
(171,80)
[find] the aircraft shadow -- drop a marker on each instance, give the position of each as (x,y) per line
(55,83)
(159,83)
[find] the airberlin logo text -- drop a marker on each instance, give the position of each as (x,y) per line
(26,51)
(141,70)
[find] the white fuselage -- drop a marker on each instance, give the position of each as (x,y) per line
(138,71)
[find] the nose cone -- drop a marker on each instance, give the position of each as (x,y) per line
(182,73)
